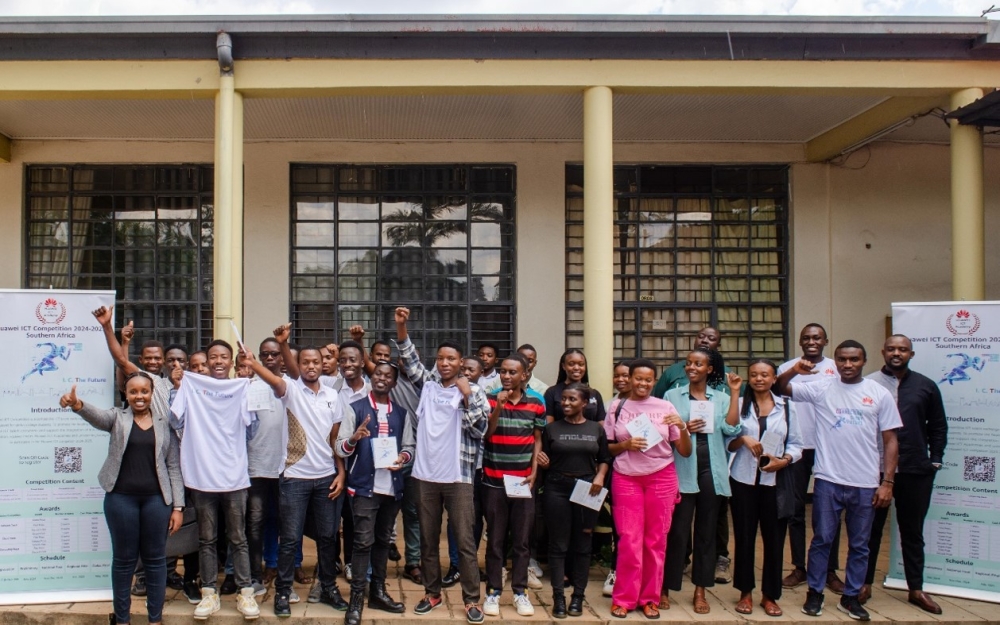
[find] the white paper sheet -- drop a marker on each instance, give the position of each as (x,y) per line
(642,427)
(705,411)
(260,397)
(514,487)
(773,443)
(581,495)
(385,451)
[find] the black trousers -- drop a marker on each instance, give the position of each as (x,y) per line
(912,496)
(505,514)
(262,496)
(433,500)
(703,508)
(802,471)
(570,534)
(753,507)
(374,518)
(347,531)
(722,529)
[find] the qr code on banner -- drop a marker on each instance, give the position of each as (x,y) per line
(980,469)
(69,459)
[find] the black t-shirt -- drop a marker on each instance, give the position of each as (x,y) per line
(575,449)
(553,404)
(137,475)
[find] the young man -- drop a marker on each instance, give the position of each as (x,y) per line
(922,440)
(512,441)
(852,412)
(530,355)
(812,341)
(488,355)
(451,421)
(313,479)
(376,493)
(198,362)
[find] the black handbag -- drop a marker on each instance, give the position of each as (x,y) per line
(184,540)
(785,482)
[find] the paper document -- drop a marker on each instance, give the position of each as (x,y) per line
(581,495)
(385,451)
(704,411)
(259,397)
(642,427)
(773,443)
(514,487)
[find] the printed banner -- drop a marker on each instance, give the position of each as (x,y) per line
(54,542)
(957,344)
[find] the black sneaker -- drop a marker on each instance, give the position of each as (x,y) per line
(451,578)
(473,614)
(852,607)
(228,586)
(333,599)
(427,604)
(139,586)
(192,590)
(281,607)
(814,603)
(175,580)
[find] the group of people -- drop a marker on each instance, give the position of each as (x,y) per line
(305,439)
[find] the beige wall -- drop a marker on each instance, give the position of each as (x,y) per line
(898,202)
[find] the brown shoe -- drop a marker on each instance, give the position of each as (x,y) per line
(865,594)
(796,578)
(664,601)
(301,577)
(269,575)
(834,583)
(700,604)
(924,601)
(412,573)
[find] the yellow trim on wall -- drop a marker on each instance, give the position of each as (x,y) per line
(58,80)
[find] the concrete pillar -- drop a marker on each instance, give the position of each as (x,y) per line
(226,272)
(598,236)
(968,229)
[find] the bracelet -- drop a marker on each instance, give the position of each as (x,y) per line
(890,482)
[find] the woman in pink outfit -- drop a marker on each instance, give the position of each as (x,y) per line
(645,487)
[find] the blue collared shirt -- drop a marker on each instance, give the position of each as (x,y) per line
(687,468)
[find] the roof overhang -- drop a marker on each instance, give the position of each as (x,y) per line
(984,112)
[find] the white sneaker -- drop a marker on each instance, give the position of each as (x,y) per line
(491,607)
(609,584)
(533,582)
(208,606)
(534,568)
(523,604)
(293,597)
(347,572)
(246,604)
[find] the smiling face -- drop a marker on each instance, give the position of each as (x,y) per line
(708,338)
(697,367)
(138,394)
(575,366)
(897,352)
(573,403)
(761,377)
(310,365)
(351,362)
(812,340)
(641,381)
(512,375)
(383,379)
(850,363)
(220,362)
(621,379)
(151,360)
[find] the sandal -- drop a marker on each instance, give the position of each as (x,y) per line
(650,611)
(745,604)
(700,604)
(664,601)
(770,607)
(618,611)
(301,577)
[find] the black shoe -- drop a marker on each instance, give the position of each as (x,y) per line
(175,580)
(379,599)
(451,578)
(852,607)
(337,570)
(355,608)
(558,605)
(192,590)
(427,604)
(814,603)
(333,599)
(281,607)
(473,614)
(228,586)
(139,587)
(394,554)
(575,606)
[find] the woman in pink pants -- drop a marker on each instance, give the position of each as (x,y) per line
(645,487)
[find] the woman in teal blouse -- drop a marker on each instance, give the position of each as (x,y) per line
(703,476)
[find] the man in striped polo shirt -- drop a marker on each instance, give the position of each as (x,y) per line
(513,437)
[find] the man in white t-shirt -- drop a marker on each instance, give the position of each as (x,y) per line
(313,478)
(812,340)
(852,413)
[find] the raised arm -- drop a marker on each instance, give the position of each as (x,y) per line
(281,334)
(100,419)
(103,316)
(415,370)
(358,334)
(782,386)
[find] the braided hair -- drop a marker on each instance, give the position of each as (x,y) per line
(718,373)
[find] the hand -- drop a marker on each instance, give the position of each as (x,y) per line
(357,332)
(530,480)
(674,420)
(735,382)
(754,446)
(595,487)
(402,315)
(361,432)
(462,384)
(337,486)
(248,355)
(502,397)
(776,464)
(176,375)
(883,496)
(804,367)
(635,444)
(128,333)
(176,521)
(696,425)
(282,332)
(543,460)
(69,400)
(103,315)
(400,461)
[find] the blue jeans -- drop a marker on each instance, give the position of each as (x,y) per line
(829,500)
(296,498)
(138,526)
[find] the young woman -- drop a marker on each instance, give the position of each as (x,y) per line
(622,390)
(572,370)
(574,448)
(703,477)
(645,486)
(753,476)
(145,494)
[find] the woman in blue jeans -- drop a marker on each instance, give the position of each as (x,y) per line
(145,494)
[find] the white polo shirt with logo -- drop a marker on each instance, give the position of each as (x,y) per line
(310,417)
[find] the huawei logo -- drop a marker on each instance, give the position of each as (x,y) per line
(868,401)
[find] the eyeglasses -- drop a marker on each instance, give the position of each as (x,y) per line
(270,354)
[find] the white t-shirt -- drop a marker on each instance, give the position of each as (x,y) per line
(849,420)
(214,416)
(803,413)
(487,379)
(265,451)
(348,395)
(311,416)
(439,435)
(383,477)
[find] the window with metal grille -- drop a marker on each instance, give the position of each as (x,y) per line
(694,246)
(144,231)
(438,239)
